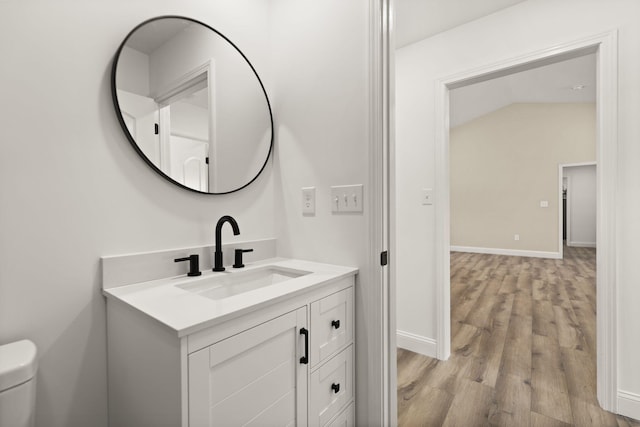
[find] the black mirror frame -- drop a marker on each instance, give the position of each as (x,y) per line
(133,141)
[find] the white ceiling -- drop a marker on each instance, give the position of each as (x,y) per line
(419,19)
(154,34)
(550,84)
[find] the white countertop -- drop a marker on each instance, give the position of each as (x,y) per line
(186,312)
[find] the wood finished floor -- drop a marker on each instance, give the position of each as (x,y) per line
(522,352)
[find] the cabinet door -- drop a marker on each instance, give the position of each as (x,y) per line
(254,378)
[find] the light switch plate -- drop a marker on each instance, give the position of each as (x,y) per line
(346,198)
(544,203)
(427,196)
(309,201)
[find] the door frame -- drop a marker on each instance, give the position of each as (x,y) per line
(605,46)
(381,316)
(561,168)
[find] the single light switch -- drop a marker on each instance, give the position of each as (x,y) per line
(309,201)
(427,196)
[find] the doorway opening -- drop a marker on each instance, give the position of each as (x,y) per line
(516,311)
(604,47)
(578,207)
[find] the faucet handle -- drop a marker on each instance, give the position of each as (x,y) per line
(239,252)
(194,264)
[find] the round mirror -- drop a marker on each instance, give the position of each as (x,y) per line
(192,105)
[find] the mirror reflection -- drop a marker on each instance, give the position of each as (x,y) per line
(192,105)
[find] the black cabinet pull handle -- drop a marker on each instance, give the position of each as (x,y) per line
(305,359)
(335,387)
(335,324)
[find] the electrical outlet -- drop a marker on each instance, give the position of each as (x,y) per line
(516,237)
(309,201)
(346,198)
(427,196)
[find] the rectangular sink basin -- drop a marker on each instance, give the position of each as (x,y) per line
(234,283)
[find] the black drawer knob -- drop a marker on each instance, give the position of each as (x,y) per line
(335,387)
(335,324)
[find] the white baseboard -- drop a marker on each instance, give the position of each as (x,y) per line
(510,252)
(629,404)
(416,343)
(582,244)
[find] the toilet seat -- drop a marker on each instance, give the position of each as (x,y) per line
(18,363)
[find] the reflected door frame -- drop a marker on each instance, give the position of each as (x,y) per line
(204,73)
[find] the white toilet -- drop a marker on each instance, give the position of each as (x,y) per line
(18,366)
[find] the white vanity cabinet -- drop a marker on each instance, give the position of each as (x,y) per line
(289,363)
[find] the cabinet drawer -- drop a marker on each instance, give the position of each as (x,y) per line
(331,324)
(331,388)
(346,419)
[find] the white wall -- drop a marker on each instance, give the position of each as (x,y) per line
(73,189)
(134,75)
(189,121)
(320,69)
(581,204)
(524,28)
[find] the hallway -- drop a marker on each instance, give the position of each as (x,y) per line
(523,348)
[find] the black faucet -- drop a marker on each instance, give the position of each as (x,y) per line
(218,254)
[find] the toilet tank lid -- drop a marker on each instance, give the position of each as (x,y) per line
(18,363)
